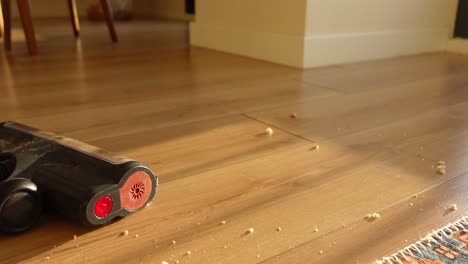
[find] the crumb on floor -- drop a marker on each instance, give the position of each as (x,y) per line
(441,170)
(222,222)
(124,233)
(250,230)
(279,228)
(373,216)
(453,207)
(269,131)
(293,115)
(441,167)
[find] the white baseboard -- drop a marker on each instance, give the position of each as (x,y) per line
(277,48)
(321,49)
(329,49)
(458,45)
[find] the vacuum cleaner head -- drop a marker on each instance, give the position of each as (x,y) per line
(41,170)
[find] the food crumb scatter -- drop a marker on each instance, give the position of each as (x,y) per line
(225,246)
(320,252)
(258,256)
(74,237)
(453,207)
(373,216)
(316,147)
(279,228)
(411,204)
(334,243)
(188,253)
(316,230)
(77,246)
(177,262)
(250,230)
(406,240)
(415,196)
(173,242)
(269,131)
(124,233)
(222,222)
(164,262)
(136,235)
(46,258)
(293,115)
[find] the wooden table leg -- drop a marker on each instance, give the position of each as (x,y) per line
(6,11)
(26,20)
(74,17)
(106,8)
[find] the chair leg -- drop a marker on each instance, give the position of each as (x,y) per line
(106,8)
(6,11)
(74,17)
(26,20)
(1,20)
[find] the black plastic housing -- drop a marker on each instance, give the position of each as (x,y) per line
(72,176)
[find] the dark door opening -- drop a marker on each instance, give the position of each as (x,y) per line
(461,24)
(190,7)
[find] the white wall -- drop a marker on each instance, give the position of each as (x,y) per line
(308,33)
(341,31)
(271,30)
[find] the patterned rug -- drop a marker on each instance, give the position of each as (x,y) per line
(448,245)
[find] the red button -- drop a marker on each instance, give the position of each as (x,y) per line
(103,207)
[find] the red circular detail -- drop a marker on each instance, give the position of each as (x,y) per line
(103,207)
(136,191)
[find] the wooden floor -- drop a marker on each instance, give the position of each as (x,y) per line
(198,118)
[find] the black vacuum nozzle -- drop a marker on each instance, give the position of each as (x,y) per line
(42,170)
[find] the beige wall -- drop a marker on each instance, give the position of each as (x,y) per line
(308,33)
(338,16)
(171,9)
(50,8)
(271,30)
(341,31)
